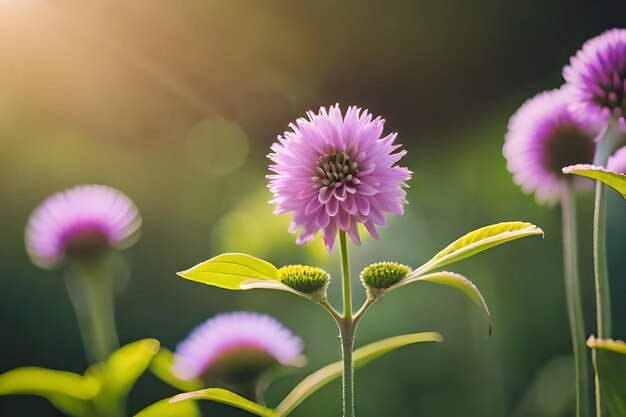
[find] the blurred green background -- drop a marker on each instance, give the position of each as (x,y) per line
(177,103)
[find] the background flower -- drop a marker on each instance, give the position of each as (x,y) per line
(597,74)
(80,222)
(333,172)
(543,137)
(235,348)
(617,161)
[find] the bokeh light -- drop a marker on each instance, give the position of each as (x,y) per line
(217,146)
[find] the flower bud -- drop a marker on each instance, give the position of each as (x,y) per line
(306,279)
(383,275)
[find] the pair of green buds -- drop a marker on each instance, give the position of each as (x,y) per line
(314,281)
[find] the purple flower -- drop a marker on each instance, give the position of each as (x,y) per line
(543,137)
(232,346)
(80,222)
(333,172)
(597,74)
(617,161)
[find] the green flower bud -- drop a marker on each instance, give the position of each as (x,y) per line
(306,279)
(383,275)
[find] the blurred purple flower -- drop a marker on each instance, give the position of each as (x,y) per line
(254,341)
(333,172)
(617,161)
(597,74)
(80,222)
(543,137)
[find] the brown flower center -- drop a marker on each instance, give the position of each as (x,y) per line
(239,369)
(86,242)
(568,145)
(334,167)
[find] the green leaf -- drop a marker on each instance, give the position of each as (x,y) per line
(238,271)
(119,373)
(68,391)
(478,241)
(161,409)
(162,366)
(71,406)
(165,408)
(453,280)
(610,364)
(614,180)
(230,270)
(126,365)
(41,381)
(103,387)
(361,356)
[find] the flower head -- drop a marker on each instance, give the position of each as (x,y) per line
(383,274)
(333,172)
(543,137)
(306,279)
(617,161)
(597,74)
(235,348)
(80,222)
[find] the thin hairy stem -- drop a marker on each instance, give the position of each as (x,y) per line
(359,314)
(603,299)
(332,311)
(610,140)
(597,384)
(347,345)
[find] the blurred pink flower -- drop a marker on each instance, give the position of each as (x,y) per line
(240,334)
(543,137)
(597,74)
(80,222)
(333,172)
(617,161)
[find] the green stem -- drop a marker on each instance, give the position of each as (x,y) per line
(597,384)
(345,272)
(610,141)
(347,345)
(347,329)
(603,299)
(90,289)
(574,303)
(338,318)
(359,314)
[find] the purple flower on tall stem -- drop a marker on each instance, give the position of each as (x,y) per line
(597,77)
(236,348)
(597,74)
(617,161)
(80,222)
(544,136)
(334,172)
